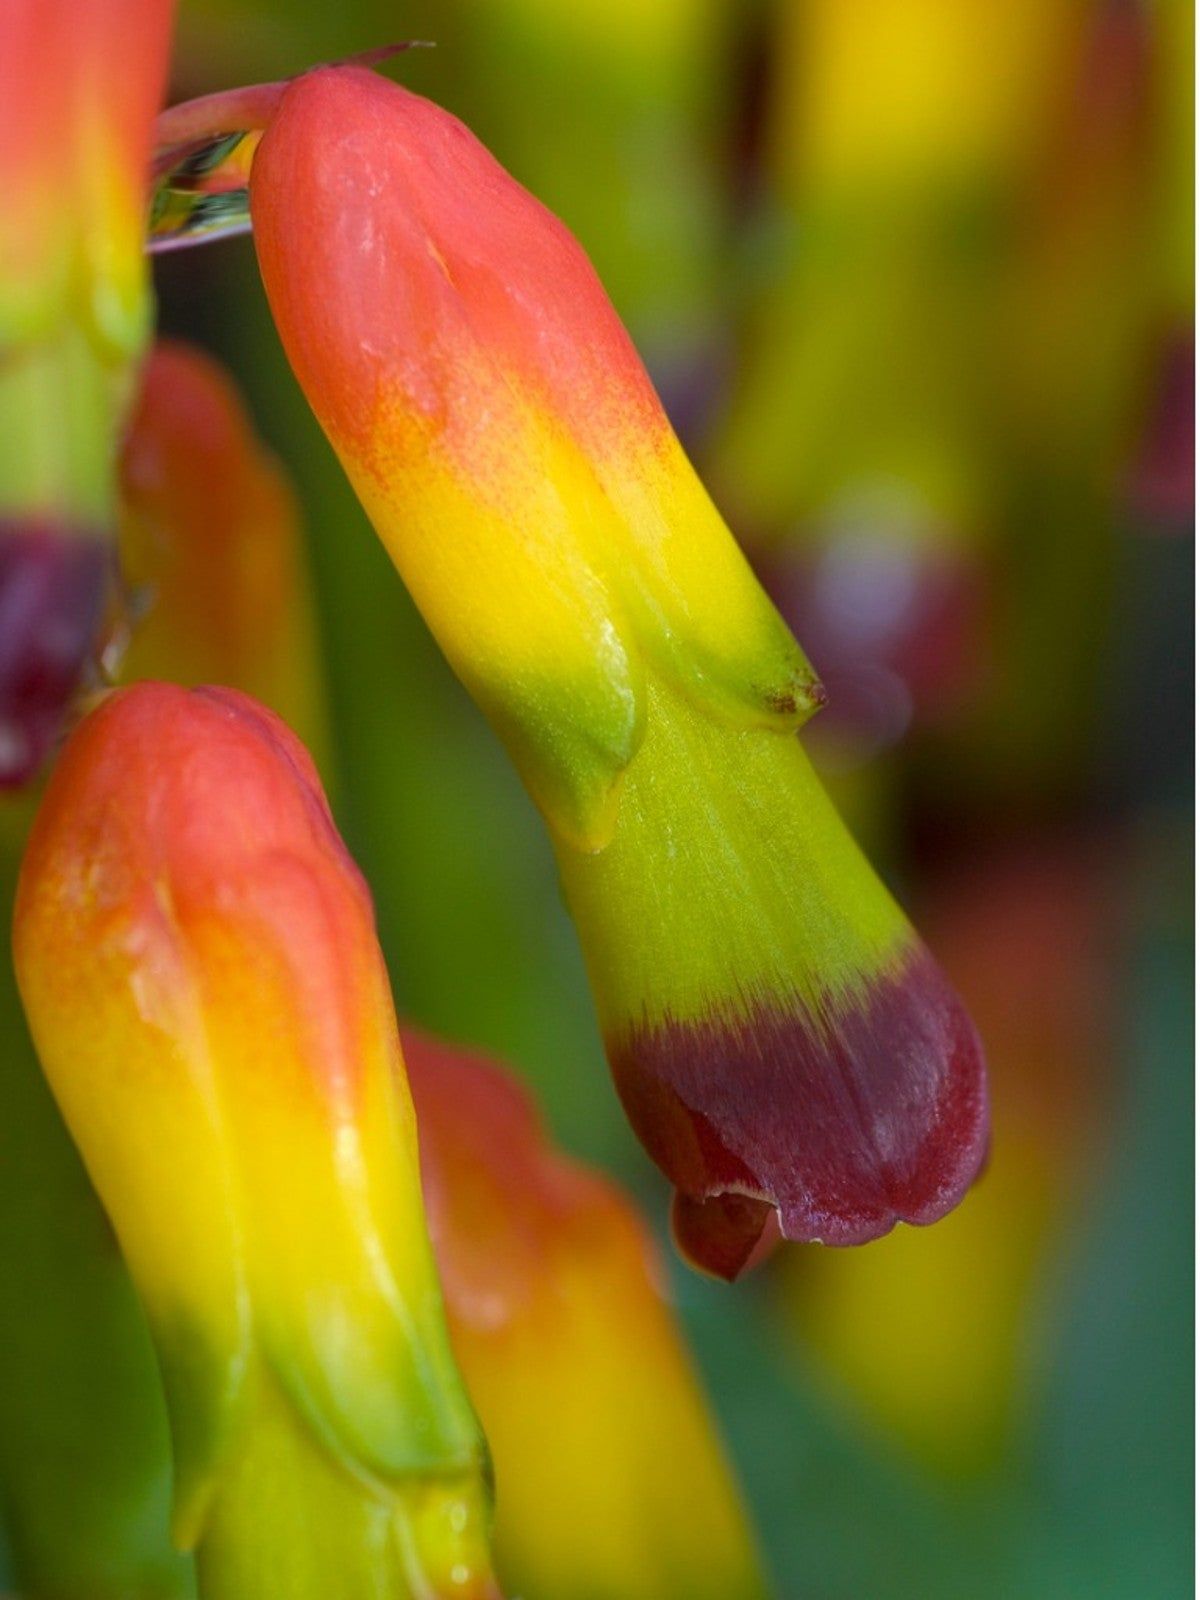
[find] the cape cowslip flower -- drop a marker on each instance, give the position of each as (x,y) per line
(212,554)
(779,1036)
(550,1283)
(79,88)
(197,958)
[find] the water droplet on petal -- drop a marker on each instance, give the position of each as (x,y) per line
(201,191)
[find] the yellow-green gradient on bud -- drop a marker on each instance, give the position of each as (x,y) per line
(79,89)
(215,587)
(212,553)
(505,438)
(778,1034)
(197,958)
(611,1483)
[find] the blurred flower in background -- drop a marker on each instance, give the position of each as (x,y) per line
(584,1386)
(212,557)
(78,94)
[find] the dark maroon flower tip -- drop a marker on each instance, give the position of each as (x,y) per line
(725,1234)
(52,589)
(874,1114)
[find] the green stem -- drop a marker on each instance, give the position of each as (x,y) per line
(292,1520)
(60,406)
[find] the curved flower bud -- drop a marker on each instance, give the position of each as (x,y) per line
(472,376)
(197,957)
(79,88)
(211,546)
(550,1281)
(778,1035)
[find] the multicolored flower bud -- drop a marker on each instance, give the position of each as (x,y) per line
(79,89)
(197,957)
(779,1036)
(610,1480)
(212,553)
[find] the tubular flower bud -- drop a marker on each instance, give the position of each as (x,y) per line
(778,1034)
(197,958)
(211,546)
(550,1281)
(79,89)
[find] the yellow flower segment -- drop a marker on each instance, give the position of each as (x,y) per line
(611,1483)
(197,957)
(778,1035)
(583,545)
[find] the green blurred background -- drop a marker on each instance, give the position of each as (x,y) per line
(915,280)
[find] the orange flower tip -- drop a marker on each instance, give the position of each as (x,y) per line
(456,228)
(53,581)
(189,760)
(873,1114)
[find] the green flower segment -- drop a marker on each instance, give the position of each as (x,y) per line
(779,1035)
(777,1032)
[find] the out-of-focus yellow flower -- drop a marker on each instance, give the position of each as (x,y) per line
(922,95)
(197,957)
(858,451)
(212,554)
(610,1480)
